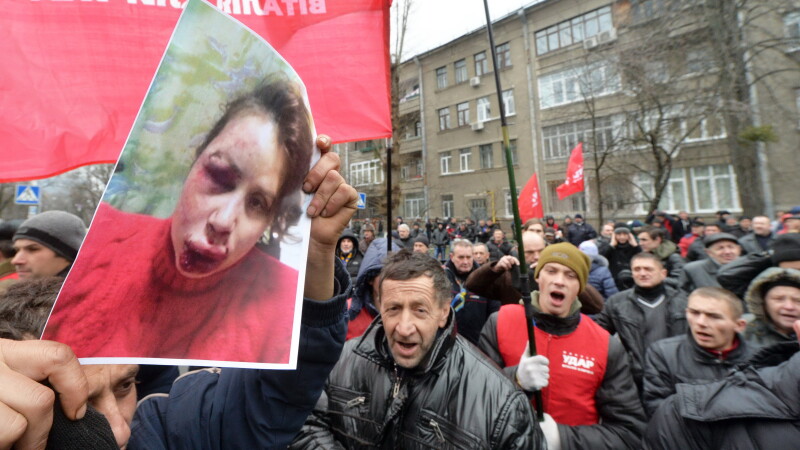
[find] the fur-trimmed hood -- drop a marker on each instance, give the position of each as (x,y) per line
(755,298)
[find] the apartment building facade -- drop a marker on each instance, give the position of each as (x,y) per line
(578,71)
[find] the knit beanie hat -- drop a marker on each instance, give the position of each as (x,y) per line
(422,238)
(589,247)
(621,227)
(59,231)
(786,248)
(568,255)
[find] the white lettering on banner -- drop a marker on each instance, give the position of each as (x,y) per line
(575,361)
(241,7)
(578,175)
(535,199)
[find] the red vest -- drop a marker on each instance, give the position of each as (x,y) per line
(11,276)
(359,324)
(577,363)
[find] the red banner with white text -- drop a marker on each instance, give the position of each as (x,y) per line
(530,202)
(75,72)
(574,181)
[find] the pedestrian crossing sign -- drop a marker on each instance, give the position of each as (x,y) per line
(27,195)
(362,200)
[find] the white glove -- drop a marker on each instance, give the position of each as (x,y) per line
(550,430)
(533,372)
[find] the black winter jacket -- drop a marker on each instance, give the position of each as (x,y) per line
(737,275)
(475,309)
(750,409)
(623,315)
(750,244)
(621,416)
(619,258)
(680,360)
(455,399)
(580,232)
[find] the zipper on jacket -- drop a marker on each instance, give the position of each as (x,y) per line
(355,402)
(397,381)
(437,430)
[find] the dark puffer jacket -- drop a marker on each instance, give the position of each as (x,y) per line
(455,399)
(680,360)
(762,331)
(623,315)
(751,409)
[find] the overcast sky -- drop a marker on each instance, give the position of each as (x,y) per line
(436,22)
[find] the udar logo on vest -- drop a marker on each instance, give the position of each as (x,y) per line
(575,361)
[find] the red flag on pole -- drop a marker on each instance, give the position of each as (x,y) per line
(530,202)
(74,73)
(574,182)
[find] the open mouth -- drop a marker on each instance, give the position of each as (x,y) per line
(557,296)
(406,348)
(198,259)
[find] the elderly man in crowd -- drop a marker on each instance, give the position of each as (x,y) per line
(760,239)
(722,249)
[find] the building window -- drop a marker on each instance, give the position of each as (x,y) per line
(559,140)
(415,204)
(441,77)
(674,198)
(508,102)
(697,61)
(508,200)
(366,173)
(487,156)
(444,118)
(461,71)
(481,64)
(417,128)
(478,209)
(714,188)
(791,25)
(366,146)
(709,127)
(503,52)
(572,85)
(448,206)
(412,170)
(644,10)
(463,158)
(574,30)
(445,160)
(462,110)
(483,108)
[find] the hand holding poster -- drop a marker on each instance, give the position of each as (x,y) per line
(182,258)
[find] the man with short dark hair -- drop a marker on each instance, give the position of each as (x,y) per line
(646,313)
(760,239)
(653,240)
(722,249)
(412,381)
(712,347)
(580,231)
(480,253)
(589,396)
(47,244)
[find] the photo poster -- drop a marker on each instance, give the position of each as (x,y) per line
(196,253)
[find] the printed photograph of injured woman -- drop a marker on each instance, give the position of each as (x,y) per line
(197,250)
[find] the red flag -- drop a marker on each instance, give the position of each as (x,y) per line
(574,182)
(530,202)
(74,73)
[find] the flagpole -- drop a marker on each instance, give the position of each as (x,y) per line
(524,285)
(388,142)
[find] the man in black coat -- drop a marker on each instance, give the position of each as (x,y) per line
(580,231)
(755,407)
(713,346)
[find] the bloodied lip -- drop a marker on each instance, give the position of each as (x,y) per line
(199,259)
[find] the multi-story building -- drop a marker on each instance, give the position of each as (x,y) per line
(634,80)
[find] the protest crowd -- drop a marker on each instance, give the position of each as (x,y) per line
(664,332)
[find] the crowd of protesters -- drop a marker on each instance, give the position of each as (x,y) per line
(669,332)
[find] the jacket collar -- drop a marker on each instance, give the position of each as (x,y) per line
(558,326)
(704,356)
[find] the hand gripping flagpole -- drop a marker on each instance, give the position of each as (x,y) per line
(523,286)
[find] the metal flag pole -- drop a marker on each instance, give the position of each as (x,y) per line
(388,142)
(524,284)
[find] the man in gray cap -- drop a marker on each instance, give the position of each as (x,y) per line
(47,244)
(721,248)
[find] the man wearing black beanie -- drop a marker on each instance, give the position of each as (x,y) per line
(47,244)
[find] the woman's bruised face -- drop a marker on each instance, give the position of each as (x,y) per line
(230,196)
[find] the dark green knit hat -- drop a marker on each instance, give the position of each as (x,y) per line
(568,255)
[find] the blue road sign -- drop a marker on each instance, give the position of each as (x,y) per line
(362,200)
(27,195)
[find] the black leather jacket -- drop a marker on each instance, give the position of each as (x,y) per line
(680,360)
(456,398)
